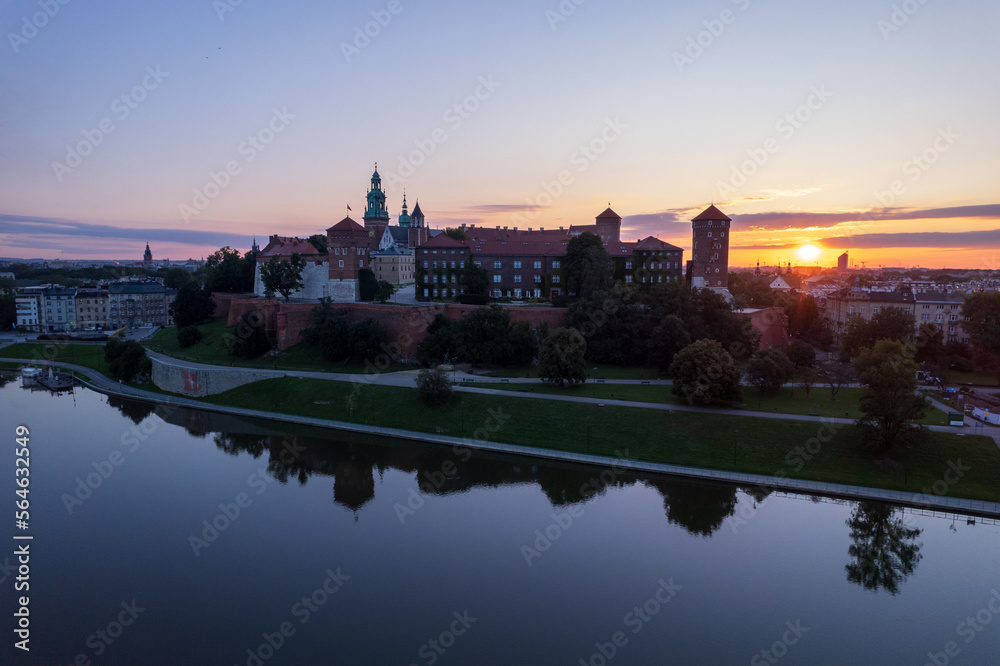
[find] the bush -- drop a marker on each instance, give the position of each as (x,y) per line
(562,357)
(704,372)
(433,386)
(801,354)
(248,339)
(127,360)
(188,336)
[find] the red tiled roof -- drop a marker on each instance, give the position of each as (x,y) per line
(518,247)
(285,246)
(346,224)
(443,240)
(654,243)
(712,213)
(609,214)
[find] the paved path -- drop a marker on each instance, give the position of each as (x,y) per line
(976,507)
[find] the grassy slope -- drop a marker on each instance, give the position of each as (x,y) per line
(736,443)
(211,349)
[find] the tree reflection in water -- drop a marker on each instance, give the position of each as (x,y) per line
(883,547)
(699,506)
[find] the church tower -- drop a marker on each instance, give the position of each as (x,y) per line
(147,257)
(418,229)
(404,217)
(710,250)
(376,216)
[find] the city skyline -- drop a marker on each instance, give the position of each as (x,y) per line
(858,127)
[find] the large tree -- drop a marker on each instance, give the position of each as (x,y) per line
(889,404)
(561,359)
(227,271)
(248,338)
(367,285)
(587,267)
(768,370)
(191,305)
(889,323)
(283,277)
(883,549)
(704,372)
(475,283)
(668,337)
(981,312)
(330,331)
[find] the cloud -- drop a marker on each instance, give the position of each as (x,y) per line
(487,209)
(938,239)
(803,220)
(663,223)
(27,231)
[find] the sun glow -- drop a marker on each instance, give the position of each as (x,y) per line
(809,253)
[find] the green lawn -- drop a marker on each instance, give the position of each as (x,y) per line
(593,372)
(211,349)
(736,443)
(91,356)
(786,401)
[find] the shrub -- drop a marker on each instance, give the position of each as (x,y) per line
(188,336)
(433,386)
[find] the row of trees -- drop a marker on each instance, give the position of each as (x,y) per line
(485,336)
(337,339)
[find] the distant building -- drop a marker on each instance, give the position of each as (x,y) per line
(92,308)
(440,265)
(710,251)
(28,312)
(842,262)
(147,258)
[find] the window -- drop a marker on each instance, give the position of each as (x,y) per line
(497,293)
(555,263)
(517,278)
(555,279)
(426,293)
(517,293)
(341,263)
(628,265)
(874,309)
(538,279)
(497,264)
(953,318)
(628,278)
(722,234)
(425,263)
(939,318)
(709,234)
(924,317)
(496,278)
(538,264)
(538,293)
(435,264)
(517,264)
(361,263)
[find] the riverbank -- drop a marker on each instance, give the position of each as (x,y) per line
(801,454)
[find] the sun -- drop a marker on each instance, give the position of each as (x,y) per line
(809,253)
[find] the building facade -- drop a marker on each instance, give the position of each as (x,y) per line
(394,265)
(440,266)
(92,309)
(28,313)
(139,304)
(710,250)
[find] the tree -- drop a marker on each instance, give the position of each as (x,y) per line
(835,374)
(930,343)
(614,323)
(669,337)
(889,323)
(384,291)
(318,241)
(283,277)
(801,354)
(889,404)
(433,386)
(367,285)
(561,359)
(475,282)
(808,378)
(704,372)
(483,336)
(248,338)
(366,339)
(587,266)
(440,342)
(191,305)
(127,360)
(981,312)
(188,336)
(226,271)
(177,277)
(768,370)
(802,316)
(457,233)
(883,548)
(330,332)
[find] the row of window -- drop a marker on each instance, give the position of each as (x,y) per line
(343,251)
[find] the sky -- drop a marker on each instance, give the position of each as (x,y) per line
(867,126)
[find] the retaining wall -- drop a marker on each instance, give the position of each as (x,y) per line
(201,382)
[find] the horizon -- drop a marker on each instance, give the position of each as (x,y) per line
(851,127)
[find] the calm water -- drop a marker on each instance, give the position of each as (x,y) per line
(380,552)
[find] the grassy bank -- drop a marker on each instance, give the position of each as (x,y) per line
(211,350)
(734,443)
(786,401)
(91,356)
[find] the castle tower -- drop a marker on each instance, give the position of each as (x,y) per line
(418,229)
(710,250)
(376,216)
(348,246)
(404,217)
(609,226)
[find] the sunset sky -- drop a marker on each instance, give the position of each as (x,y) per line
(850,125)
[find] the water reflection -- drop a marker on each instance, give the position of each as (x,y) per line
(884,549)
